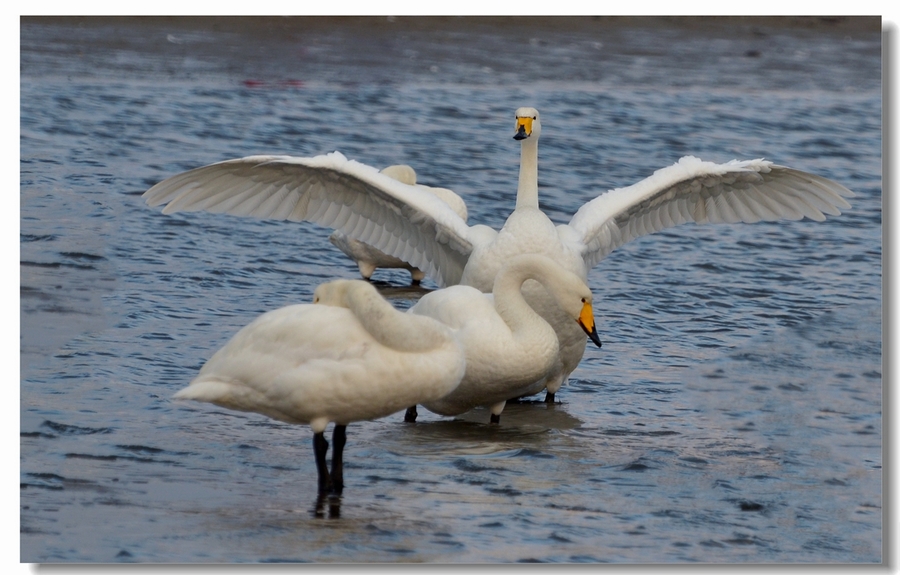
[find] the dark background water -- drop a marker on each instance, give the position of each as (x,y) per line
(734,413)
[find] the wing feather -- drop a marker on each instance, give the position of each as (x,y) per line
(402,220)
(703,192)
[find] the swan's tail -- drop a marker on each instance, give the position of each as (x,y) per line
(235,395)
(210,390)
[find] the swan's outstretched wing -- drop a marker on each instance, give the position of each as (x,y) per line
(703,192)
(399,219)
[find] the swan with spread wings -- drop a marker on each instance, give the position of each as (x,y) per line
(419,228)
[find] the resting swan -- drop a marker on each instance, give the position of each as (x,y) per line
(508,345)
(369,258)
(417,227)
(348,357)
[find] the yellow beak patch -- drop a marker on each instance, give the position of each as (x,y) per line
(524,125)
(586,321)
(586,318)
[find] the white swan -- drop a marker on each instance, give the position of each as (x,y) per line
(508,345)
(368,257)
(353,358)
(418,228)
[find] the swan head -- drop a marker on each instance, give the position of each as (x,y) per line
(401,173)
(586,321)
(335,293)
(528,124)
(575,298)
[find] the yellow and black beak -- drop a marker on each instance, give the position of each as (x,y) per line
(523,128)
(586,321)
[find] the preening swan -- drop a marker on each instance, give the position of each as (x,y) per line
(349,357)
(418,228)
(369,258)
(508,345)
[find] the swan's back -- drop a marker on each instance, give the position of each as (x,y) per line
(456,306)
(319,363)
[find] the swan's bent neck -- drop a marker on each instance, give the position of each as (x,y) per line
(522,319)
(528,177)
(392,328)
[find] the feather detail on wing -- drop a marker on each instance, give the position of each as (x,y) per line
(399,219)
(703,192)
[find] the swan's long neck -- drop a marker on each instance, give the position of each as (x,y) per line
(394,329)
(528,177)
(523,321)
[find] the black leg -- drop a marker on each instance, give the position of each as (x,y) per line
(339,438)
(495,418)
(411,414)
(551,398)
(320,447)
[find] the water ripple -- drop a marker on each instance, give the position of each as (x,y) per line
(738,391)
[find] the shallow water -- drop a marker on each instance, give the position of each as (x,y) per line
(732,415)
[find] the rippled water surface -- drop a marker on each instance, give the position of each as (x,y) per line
(733,414)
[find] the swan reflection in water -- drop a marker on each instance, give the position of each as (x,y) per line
(330,500)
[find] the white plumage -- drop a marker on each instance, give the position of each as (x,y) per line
(508,345)
(349,358)
(369,258)
(418,228)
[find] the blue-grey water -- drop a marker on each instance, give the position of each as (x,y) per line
(734,413)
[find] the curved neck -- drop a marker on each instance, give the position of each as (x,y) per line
(523,321)
(528,178)
(392,328)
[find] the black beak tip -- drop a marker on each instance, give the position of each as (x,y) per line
(592,335)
